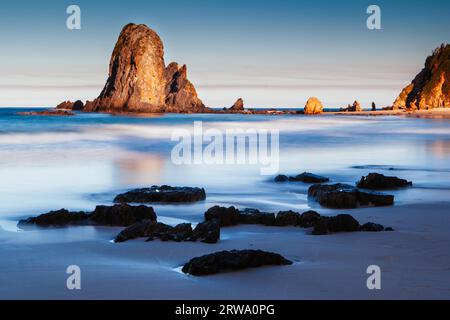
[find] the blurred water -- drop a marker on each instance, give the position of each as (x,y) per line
(78,162)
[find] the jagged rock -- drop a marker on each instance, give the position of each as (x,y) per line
(254,216)
(313,106)
(232,261)
(431,87)
(340,223)
(287,218)
(376,181)
(57,218)
(69,105)
(141,229)
(167,233)
(162,194)
(139,80)
(207,232)
(374,106)
(308,177)
(122,215)
(181,95)
(238,105)
(225,216)
(342,196)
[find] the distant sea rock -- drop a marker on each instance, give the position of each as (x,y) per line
(355,107)
(238,105)
(431,87)
(313,106)
(69,105)
(139,80)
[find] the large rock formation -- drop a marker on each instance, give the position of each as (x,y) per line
(431,87)
(313,106)
(139,80)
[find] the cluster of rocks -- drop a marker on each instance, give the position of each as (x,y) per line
(344,196)
(162,194)
(232,261)
(69,105)
(355,107)
(207,232)
(305,177)
(321,225)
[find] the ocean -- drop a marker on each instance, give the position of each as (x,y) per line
(48,163)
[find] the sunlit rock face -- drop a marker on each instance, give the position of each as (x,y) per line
(313,106)
(431,87)
(139,80)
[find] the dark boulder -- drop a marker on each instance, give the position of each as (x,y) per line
(57,218)
(340,223)
(287,218)
(372,227)
(226,216)
(281,178)
(308,219)
(254,216)
(167,233)
(163,194)
(376,181)
(122,215)
(207,232)
(342,196)
(232,261)
(308,177)
(140,229)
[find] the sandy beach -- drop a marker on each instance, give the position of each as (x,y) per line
(414,260)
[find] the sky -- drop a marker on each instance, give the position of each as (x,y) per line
(272,53)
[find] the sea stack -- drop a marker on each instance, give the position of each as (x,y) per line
(139,80)
(431,87)
(313,106)
(238,105)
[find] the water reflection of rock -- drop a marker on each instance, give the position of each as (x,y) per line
(139,169)
(440,148)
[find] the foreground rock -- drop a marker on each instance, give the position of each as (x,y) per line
(139,80)
(431,87)
(376,181)
(342,196)
(339,223)
(162,194)
(55,113)
(57,218)
(207,232)
(119,215)
(232,261)
(313,106)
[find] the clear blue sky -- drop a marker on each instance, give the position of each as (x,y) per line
(272,53)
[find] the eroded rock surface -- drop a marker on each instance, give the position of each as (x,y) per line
(162,194)
(376,181)
(431,87)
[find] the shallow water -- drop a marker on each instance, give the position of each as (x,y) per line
(48,163)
